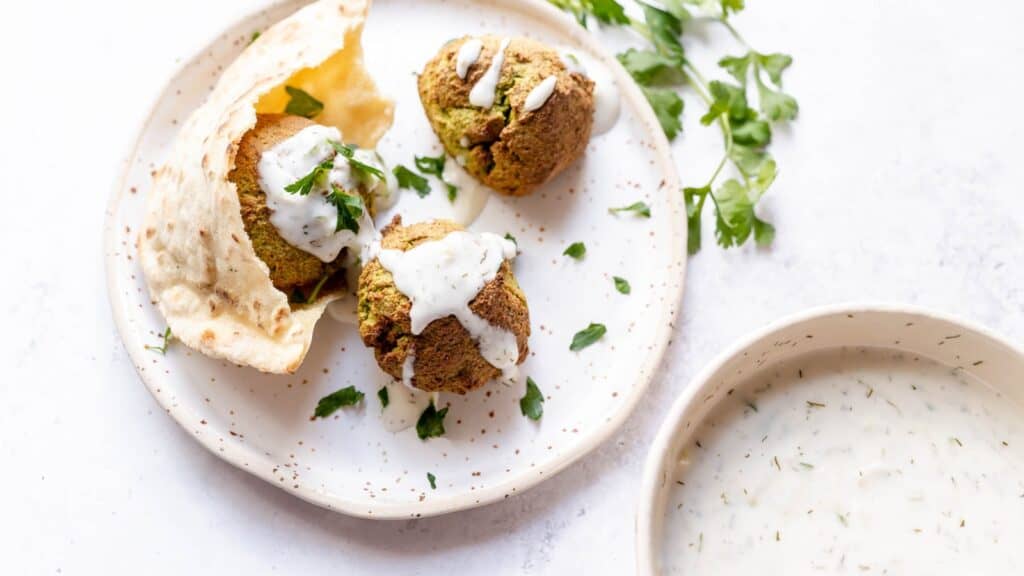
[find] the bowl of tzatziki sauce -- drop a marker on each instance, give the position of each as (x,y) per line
(854,439)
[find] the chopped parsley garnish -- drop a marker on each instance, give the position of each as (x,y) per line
(532,404)
(639,208)
(433,481)
(434,166)
(254,36)
(332,402)
(384,398)
(303,186)
(411,180)
(301,103)
(622,285)
(350,209)
(662,69)
(430,164)
(576,250)
(431,422)
(511,239)
(364,169)
(162,349)
(587,336)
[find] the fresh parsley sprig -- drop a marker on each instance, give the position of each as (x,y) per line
(362,168)
(431,422)
(303,186)
(662,69)
(350,209)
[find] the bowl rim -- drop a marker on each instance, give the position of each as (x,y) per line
(630,94)
(700,384)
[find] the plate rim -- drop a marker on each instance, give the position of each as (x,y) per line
(697,387)
(514,485)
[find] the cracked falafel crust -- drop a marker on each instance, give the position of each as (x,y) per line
(509,150)
(446,357)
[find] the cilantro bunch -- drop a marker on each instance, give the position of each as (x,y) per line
(663,69)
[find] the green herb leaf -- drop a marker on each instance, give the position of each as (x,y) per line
(350,209)
(737,66)
(254,36)
(364,169)
(648,67)
(433,481)
(511,239)
(303,186)
(385,399)
(639,208)
(694,198)
(587,336)
(332,402)
(162,349)
(774,65)
(301,103)
(576,250)
(434,166)
(607,11)
(754,133)
(622,285)
(665,29)
(532,404)
(431,165)
(726,99)
(411,180)
(735,214)
(764,232)
(777,106)
(733,6)
(431,422)
(667,106)
(748,160)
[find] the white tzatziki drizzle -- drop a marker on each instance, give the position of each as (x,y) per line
(540,94)
(442,277)
(483,92)
(309,222)
(851,461)
(606,93)
(468,54)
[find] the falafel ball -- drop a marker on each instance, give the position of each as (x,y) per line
(507,148)
(445,356)
(291,269)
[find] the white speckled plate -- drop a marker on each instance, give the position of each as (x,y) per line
(966,348)
(350,463)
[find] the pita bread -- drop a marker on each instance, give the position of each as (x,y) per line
(198,262)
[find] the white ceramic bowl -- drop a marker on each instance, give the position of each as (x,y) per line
(947,340)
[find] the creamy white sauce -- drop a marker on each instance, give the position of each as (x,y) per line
(852,461)
(540,94)
(606,92)
(442,277)
(405,404)
(309,222)
(483,92)
(468,54)
(409,370)
(472,196)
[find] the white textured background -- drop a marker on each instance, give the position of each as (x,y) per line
(901,181)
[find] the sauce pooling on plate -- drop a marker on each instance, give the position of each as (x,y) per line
(852,461)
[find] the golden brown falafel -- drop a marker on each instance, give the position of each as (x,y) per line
(446,357)
(291,269)
(510,150)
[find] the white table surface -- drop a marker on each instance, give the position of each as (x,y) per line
(902,181)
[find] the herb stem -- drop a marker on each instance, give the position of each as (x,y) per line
(316,289)
(735,33)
